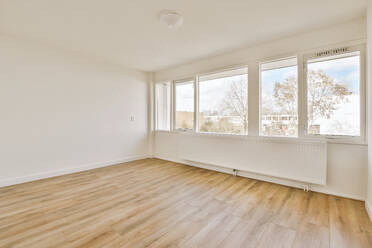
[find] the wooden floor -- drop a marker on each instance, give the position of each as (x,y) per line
(155,203)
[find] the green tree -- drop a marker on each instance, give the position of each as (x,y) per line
(324,94)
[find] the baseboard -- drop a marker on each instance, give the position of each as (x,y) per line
(369,210)
(43,175)
(286,182)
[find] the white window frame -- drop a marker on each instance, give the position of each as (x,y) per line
(302,57)
(197,110)
(338,138)
(299,131)
(156,105)
(174,101)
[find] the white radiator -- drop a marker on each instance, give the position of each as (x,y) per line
(300,160)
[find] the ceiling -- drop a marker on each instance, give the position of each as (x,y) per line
(127,32)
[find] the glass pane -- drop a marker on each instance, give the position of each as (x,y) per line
(279,98)
(163,104)
(185,105)
(223,102)
(333,95)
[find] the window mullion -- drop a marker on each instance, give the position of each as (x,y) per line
(173,105)
(302,96)
(196,104)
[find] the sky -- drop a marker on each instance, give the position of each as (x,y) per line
(345,71)
(185,97)
(270,77)
(211,93)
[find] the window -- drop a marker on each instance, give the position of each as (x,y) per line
(278,98)
(324,96)
(223,102)
(163,106)
(184,114)
(333,94)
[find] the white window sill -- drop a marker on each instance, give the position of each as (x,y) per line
(270,138)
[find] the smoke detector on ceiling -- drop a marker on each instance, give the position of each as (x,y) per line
(171,18)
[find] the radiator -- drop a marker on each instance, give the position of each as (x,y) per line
(294,159)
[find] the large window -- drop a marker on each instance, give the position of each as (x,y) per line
(279,98)
(320,94)
(223,102)
(184,114)
(163,106)
(333,94)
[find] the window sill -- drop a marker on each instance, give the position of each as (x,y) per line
(273,139)
(346,142)
(295,140)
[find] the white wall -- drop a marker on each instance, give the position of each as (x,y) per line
(62,112)
(347,163)
(369,72)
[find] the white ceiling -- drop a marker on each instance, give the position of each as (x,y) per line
(127,32)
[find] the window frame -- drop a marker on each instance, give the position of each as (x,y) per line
(279,58)
(174,102)
(197,110)
(362,88)
(156,122)
(302,57)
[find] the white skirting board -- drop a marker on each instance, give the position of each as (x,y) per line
(286,182)
(48,174)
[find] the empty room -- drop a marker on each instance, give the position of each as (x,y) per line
(173,123)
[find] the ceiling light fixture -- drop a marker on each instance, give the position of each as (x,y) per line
(171,18)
